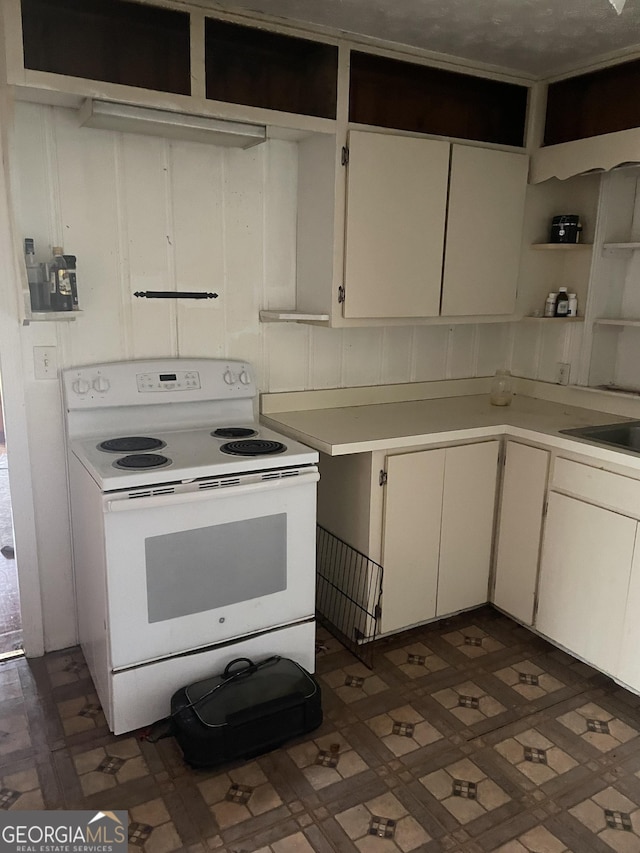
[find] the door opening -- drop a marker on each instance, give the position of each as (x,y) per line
(10,617)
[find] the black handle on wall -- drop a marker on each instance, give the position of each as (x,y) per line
(174,294)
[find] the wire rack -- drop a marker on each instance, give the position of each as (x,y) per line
(348,592)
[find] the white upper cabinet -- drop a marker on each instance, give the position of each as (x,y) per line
(410,231)
(484,231)
(414,205)
(395,218)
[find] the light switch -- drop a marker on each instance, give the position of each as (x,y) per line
(45,362)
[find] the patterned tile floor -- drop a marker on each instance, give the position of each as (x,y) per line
(470,735)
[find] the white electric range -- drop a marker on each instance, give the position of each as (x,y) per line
(193,529)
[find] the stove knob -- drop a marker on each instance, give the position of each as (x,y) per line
(80,386)
(245,378)
(101,384)
(228,377)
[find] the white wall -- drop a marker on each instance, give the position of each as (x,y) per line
(148,214)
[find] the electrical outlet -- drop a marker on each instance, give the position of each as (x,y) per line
(45,362)
(563,373)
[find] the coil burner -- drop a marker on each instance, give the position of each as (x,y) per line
(142,460)
(130,444)
(253,447)
(234,432)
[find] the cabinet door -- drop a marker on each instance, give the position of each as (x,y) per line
(629,663)
(584,577)
(468,506)
(411,538)
(396,205)
(484,231)
(519,530)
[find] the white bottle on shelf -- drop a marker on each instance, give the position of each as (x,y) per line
(573,305)
(550,305)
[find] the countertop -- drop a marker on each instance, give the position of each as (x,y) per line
(386,426)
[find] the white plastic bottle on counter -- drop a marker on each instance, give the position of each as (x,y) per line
(573,305)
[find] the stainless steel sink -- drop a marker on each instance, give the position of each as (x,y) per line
(625,435)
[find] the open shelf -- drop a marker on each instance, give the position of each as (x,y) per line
(554,319)
(615,321)
(621,246)
(49,316)
(292,317)
(563,247)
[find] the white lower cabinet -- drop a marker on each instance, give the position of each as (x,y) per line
(432,525)
(587,557)
(520,529)
(411,538)
(437,532)
(629,663)
(466,535)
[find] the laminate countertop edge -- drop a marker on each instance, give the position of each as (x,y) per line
(420,424)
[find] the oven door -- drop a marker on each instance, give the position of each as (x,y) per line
(190,569)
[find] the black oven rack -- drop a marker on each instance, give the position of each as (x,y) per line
(348,594)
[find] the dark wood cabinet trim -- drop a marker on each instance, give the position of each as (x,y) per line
(259,68)
(408,96)
(114,41)
(603,101)
(148,47)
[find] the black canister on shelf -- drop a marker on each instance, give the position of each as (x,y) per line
(60,283)
(70,261)
(565,228)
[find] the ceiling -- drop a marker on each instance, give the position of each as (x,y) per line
(537,38)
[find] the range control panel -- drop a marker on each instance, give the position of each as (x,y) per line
(159,380)
(180,380)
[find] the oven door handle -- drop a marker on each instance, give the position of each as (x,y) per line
(157,501)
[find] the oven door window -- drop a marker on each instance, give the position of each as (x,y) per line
(195,571)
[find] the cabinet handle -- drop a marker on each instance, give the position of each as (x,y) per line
(174,294)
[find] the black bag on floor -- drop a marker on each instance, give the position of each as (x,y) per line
(249,709)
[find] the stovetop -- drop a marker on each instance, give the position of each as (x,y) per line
(175,404)
(191,454)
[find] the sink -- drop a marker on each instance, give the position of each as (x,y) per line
(625,435)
